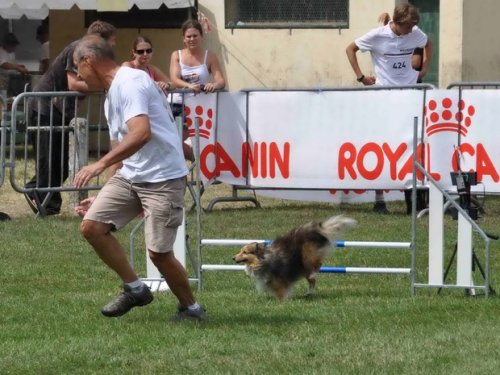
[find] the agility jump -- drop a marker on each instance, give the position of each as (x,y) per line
(325,269)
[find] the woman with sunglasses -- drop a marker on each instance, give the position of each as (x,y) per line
(142,53)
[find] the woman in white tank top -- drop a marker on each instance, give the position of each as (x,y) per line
(193,66)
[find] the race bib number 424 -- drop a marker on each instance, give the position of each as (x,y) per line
(399,65)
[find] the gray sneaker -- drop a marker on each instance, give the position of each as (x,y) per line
(127,299)
(183,313)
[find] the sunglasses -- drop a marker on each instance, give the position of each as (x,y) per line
(143,51)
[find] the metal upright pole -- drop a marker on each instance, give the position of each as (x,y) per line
(414,207)
(197,198)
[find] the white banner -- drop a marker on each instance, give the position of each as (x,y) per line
(340,143)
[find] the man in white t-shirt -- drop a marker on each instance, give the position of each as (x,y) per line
(150,177)
(8,54)
(8,61)
(391,48)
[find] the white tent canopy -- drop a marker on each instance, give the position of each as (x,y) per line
(39,9)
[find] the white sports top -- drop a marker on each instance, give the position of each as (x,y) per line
(193,74)
(391,54)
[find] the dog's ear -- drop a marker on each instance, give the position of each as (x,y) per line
(252,248)
(259,250)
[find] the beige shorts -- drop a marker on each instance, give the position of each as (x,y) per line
(120,201)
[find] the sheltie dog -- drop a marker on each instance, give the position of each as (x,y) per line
(299,253)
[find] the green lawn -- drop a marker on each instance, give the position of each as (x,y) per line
(52,287)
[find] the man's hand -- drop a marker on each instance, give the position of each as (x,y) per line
(84,206)
(88,172)
(368,81)
(22,69)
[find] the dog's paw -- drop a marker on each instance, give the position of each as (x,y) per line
(309,294)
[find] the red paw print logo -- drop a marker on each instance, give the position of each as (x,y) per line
(445,117)
(203,118)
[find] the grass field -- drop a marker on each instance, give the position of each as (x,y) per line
(52,287)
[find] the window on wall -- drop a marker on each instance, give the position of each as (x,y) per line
(287,14)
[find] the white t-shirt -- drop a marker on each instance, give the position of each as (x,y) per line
(192,74)
(133,93)
(391,54)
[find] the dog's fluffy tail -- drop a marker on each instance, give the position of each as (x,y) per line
(334,226)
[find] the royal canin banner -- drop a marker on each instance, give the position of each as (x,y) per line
(342,143)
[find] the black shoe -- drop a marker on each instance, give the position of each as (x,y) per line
(4,216)
(52,211)
(53,206)
(408,201)
(183,313)
(127,299)
(380,208)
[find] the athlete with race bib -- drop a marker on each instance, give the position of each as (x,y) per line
(391,48)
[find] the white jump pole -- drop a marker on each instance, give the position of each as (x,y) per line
(374,244)
(436,239)
(404,271)
(464,252)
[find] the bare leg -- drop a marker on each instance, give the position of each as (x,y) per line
(175,275)
(108,249)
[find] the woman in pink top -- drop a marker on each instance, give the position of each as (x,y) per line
(142,53)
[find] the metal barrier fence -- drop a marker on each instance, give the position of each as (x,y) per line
(53,134)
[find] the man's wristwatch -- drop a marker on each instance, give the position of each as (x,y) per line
(360,79)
